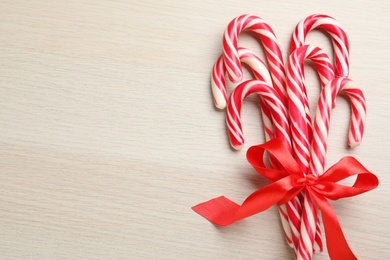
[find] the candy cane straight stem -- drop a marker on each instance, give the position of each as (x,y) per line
(218,83)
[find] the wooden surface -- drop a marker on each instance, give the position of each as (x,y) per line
(108,134)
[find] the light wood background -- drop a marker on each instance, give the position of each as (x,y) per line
(108,134)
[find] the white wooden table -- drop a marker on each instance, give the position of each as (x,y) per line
(108,134)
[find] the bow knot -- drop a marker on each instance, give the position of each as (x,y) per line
(308,180)
(288,180)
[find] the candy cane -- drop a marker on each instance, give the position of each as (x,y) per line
(259,70)
(275,61)
(319,146)
(301,135)
(322,119)
(341,57)
(338,36)
(271,99)
(270,43)
(290,211)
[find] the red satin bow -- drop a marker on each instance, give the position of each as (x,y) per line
(287,183)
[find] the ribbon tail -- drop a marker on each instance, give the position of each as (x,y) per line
(337,245)
(222,212)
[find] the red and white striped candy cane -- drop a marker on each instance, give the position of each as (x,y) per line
(290,212)
(321,128)
(341,56)
(338,36)
(260,72)
(322,119)
(272,50)
(300,124)
(231,60)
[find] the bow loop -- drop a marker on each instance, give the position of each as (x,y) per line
(347,167)
(287,164)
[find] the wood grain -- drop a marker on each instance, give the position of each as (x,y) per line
(108,134)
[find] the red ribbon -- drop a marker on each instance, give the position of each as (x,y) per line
(287,183)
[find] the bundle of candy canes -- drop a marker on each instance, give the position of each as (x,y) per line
(296,144)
